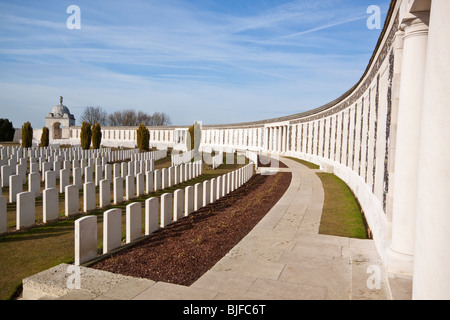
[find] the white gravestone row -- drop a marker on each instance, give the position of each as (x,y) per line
(55,161)
(13,168)
(159,213)
(134,188)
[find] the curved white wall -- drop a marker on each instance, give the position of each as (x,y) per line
(354,134)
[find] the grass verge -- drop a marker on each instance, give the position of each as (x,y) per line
(341,215)
(305,163)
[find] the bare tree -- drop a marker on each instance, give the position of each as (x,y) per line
(144,118)
(161,119)
(95,115)
(129,118)
(115,119)
(132,118)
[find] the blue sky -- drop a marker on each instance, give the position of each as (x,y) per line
(217,61)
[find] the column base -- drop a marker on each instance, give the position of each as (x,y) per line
(399,263)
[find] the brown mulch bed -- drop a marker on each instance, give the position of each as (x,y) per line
(183,251)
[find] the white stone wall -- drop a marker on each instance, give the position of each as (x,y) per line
(160,137)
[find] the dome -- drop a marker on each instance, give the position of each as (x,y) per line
(61,110)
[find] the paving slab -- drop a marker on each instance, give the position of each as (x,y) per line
(169,291)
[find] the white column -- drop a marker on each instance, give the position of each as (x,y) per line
(265,146)
(408,133)
(432,258)
(279,140)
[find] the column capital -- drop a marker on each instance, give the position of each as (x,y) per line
(416,24)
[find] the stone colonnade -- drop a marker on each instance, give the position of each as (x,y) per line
(160,137)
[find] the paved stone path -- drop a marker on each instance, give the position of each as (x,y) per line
(282,258)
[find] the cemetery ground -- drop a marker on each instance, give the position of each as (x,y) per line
(27,252)
(24,253)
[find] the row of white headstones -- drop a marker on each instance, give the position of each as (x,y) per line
(42,168)
(159,212)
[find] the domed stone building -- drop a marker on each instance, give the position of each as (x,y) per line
(59,120)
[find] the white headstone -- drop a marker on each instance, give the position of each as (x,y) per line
(118,190)
(15,187)
(176,175)
(112,229)
(198,196)
(25,211)
(235,179)
(171,176)
(46,166)
(157,179)
(116,170)
(50,205)
(213,192)
(131,168)
(108,173)
(164,178)
(129,187)
(140,184)
(72,205)
(21,170)
(188,200)
(133,221)
(206,192)
(124,169)
(5,173)
(34,168)
(34,183)
(85,239)
(149,182)
(189,175)
(50,179)
(104,193)
(88,196)
(218,187)
(64,179)
(151,215)
(98,174)
(181,170)
(166,210)
(77,178)
(88,174)
(224,185)
(178,204)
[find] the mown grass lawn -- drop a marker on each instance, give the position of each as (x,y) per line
(341,215)
(305,163)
